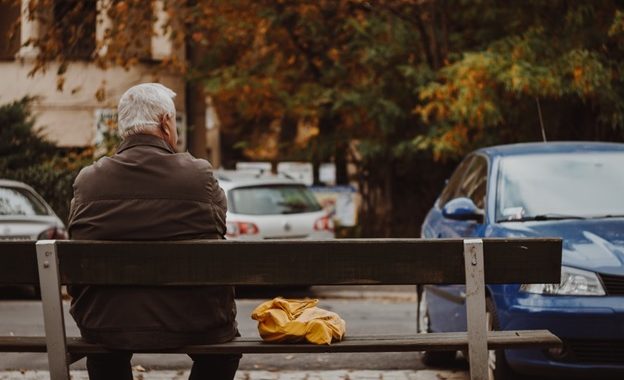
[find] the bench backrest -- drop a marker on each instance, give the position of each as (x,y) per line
(292,262)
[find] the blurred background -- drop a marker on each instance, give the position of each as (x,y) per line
(374,99)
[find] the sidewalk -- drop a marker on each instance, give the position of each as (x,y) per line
(265,375)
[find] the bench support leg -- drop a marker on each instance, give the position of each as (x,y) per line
(475,309)
(47,263)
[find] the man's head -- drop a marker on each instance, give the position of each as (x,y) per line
(148,108)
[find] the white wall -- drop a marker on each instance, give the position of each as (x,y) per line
(68,117)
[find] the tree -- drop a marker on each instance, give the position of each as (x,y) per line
(393,86)
(20,143)
(563,56)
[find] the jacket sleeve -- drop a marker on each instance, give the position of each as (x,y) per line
(218,198)
(72,217)
(73,207)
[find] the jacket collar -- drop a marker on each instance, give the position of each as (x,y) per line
(143,140)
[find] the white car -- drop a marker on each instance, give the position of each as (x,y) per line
(24,215)
(264,206)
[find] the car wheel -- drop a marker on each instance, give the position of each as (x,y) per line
(432,358)
(498,369)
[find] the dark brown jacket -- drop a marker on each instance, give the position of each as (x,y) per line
(148,192)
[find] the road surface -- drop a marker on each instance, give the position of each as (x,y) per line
(368,310)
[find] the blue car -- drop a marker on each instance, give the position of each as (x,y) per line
(572,190)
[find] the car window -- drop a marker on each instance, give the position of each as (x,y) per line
(452,189)
(564,184)
(18,201)
(272,200)
(474,183)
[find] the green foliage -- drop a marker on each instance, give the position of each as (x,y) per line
(26,156)
(20,144)
(443,77)
(570,62)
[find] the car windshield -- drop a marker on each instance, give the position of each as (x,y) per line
(560,186)
(18,201)
(274,199)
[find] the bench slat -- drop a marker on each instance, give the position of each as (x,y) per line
(403,343)
(304,262)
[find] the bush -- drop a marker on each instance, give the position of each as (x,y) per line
(52,182)
(20,144)
(27,156)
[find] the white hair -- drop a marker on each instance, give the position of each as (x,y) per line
(141,108)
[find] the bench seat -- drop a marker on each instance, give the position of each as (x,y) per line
(381,343)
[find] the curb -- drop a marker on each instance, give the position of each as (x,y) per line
(140,374)
(369,295)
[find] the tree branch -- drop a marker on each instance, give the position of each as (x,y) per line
(424,36)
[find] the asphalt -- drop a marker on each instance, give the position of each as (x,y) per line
(252,370)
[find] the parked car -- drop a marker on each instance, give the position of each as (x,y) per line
(24,215)
(262,206)
(570,190)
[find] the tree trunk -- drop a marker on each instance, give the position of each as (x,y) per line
(340,160)
(196,120)
(387,210)
(316,176)
(327,130)
(195,104)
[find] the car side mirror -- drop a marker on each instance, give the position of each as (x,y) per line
(462,209)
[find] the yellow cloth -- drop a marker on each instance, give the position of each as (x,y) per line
(287,320)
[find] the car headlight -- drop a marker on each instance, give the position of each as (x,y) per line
(574,282)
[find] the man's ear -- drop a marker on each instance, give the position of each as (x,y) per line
(164,120)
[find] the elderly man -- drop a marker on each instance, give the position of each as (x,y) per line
(147,191)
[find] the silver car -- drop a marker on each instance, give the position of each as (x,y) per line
(24,215)
(262,206)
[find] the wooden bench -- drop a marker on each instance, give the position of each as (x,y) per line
(335,262)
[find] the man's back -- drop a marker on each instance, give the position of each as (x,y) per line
(148,192)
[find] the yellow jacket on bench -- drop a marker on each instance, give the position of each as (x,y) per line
(285,320)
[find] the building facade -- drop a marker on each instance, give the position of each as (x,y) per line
(77,115)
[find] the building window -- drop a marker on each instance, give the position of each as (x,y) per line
(9,29)
(75,22)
